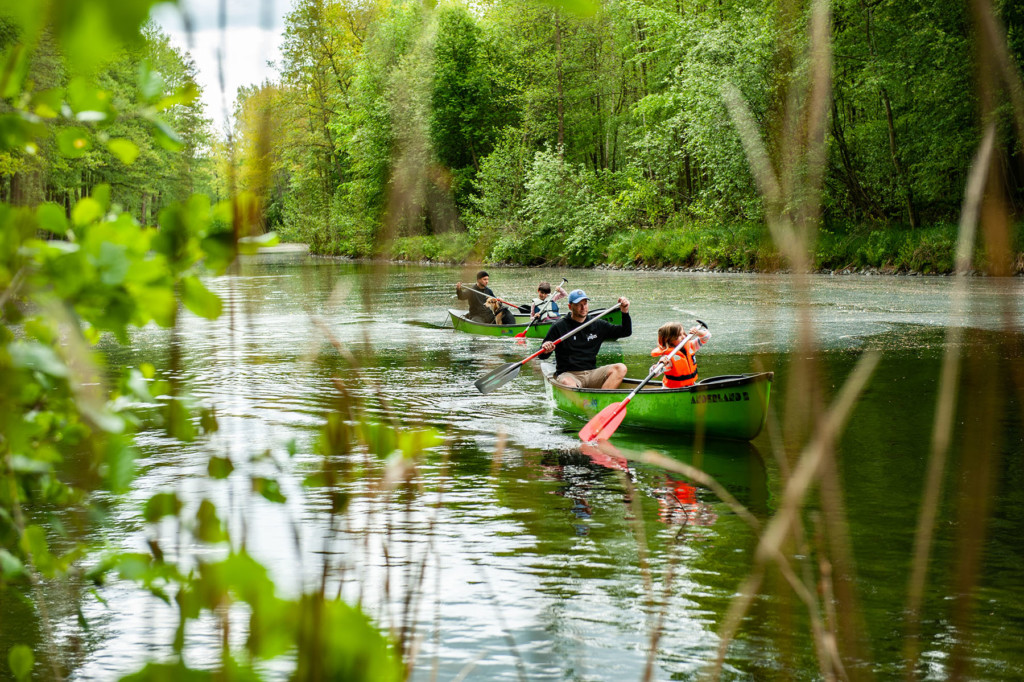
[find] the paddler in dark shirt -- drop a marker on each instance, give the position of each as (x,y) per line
(478,310)
(576,357)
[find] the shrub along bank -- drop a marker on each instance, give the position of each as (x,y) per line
(745,247)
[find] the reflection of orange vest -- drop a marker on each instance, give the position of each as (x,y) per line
(683,369)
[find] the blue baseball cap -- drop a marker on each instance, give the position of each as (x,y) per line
(577,295)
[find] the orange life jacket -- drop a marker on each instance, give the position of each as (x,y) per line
(682,371)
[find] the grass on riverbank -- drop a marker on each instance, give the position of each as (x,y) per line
(746,247)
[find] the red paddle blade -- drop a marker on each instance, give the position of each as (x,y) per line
(603,424)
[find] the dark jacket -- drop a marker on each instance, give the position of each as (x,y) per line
(579,351)
(478,310)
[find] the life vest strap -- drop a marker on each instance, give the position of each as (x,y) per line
(685,377)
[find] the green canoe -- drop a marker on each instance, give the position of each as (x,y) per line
(537,331)
(729,406)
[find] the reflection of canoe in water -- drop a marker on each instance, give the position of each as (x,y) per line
(734,464)
(730,406)
(538,331)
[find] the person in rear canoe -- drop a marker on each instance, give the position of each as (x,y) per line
(478,310)
(544,305)
(576,357)
(681,369)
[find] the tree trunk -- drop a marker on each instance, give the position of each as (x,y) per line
(561,94)
(894,153)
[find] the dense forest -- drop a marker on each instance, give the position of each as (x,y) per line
(528,133)
(152,145)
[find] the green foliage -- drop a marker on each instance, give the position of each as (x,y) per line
(446,248)
(463,115)
(743,246)
(560,219)
(78,266)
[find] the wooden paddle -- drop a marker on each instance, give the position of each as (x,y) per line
(497,378)
(604,423)
(521,336)
(499,300)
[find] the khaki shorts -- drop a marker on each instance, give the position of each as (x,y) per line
(588,378)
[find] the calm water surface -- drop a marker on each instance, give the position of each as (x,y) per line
(528,547)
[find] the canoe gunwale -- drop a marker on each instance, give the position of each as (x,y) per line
(462,315)
(713,384)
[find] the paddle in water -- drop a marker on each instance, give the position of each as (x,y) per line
(603,424)
(497,378)
(521,336)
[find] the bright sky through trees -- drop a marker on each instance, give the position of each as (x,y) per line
(252,39)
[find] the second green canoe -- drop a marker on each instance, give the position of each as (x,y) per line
(730,406)
(538,331)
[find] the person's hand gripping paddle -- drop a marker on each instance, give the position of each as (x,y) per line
(497,378)
(603,424)
(521,336)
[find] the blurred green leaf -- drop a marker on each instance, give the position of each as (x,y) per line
(11,567)
(47,103)
(412,443)
(83,95)
(33,542)
(86,211)
(169,672)
(268,488)
(52,218)
(220,467)
(251,245)
(179,421)
(125,150)
(24,465)
(160,505)
(348,645)
(21,660)
(208,420)
(220,251)
(151,83)
(208,526)
(186,94)
(165,136)
(73,142)
(199,299)
(35,356)
(119,465)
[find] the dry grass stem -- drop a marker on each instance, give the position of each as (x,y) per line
(806,472)
(942,427)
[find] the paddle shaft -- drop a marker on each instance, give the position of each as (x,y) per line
(499,300)
(654,372)
(568,334)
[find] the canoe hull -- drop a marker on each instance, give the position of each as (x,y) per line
(537,331)
(734,406)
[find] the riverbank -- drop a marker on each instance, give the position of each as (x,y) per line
(862,250)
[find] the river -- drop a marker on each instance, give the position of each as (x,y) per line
(532,553)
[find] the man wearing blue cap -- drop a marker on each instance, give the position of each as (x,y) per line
(576,357)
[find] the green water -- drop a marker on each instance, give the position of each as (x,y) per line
(529,548)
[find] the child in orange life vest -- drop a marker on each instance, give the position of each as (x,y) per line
(681,370)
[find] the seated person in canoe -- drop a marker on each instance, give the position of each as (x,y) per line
(477,295)
(576,357)
(681,369)
(544,305)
